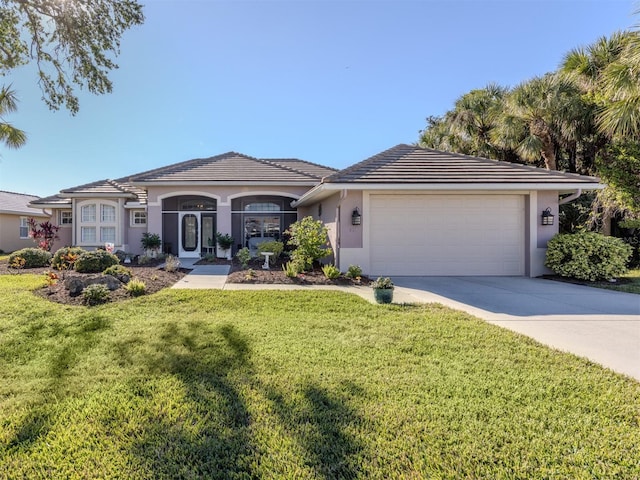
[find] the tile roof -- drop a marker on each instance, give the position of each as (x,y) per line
(112,188)
(18,203)
(120,188)
(408,164)
(53,200)
(235,167)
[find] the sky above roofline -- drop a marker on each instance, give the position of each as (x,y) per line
(327,82)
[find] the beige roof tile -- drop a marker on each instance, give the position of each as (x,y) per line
(408,164)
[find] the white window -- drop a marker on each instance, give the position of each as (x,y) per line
(107,214)
(138,218)
(66,217)
(88,234)
(88,213)
(98,222)
(108,234)
(24,227)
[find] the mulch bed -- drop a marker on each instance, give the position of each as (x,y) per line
(157,279)
(154,278)
(255,274)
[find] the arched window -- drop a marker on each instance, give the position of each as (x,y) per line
(262,207)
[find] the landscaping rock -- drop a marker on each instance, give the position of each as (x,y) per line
(76,285)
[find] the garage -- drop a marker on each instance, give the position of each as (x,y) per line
(457,234)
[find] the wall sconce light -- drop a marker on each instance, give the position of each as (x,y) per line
(356,218)
(547,217)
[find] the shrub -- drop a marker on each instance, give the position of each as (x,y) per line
(225,241)
(291,269)
(308,237)
(383,283)
(95,262)
(44,234)
(171,264)
(95,294)
(331,271)
(151,241)
(143,260)
(273,246)
(244,255)
(136,287)
(587,256)
(33,257)
(117,271)
(65,257)
(354,271)
(17,263)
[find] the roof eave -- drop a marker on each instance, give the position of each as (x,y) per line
(325,190)
(98,195)
(38,213)
(234,183)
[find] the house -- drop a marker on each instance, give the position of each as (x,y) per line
(187,203)
(405,211)
(14,213)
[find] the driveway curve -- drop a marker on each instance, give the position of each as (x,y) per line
(601,325)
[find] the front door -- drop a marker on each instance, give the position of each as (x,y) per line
(189,235)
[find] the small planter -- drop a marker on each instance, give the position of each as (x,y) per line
(383,290)
(225,244)
(383,295)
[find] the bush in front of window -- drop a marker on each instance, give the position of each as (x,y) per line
(95,262)
(273,246)
(33,257)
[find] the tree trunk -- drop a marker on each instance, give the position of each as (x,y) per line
(548,152)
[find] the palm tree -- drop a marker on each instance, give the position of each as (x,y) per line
(608,72)
(474,117)
(11,136)
(540,117)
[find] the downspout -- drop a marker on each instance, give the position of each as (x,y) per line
(570,198)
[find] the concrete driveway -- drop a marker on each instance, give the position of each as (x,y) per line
(601,325)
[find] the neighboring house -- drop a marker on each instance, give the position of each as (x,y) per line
(405,211)
(14,214)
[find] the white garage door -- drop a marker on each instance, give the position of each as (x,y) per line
(447,234)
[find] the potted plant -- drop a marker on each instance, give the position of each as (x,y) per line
(225,242)
(383,290)
(151,243)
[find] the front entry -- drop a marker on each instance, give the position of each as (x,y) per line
(189,235)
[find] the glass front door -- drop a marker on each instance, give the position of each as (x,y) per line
(189,235)
(208,233)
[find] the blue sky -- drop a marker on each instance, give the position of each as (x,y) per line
(332,82)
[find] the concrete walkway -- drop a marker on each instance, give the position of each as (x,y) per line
(601,325)
(202,276)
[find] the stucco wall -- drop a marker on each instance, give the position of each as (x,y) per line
(222,194)
(335,212)
(10,234)
(543,233)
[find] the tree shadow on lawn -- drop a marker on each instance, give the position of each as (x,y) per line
(75,343)
(216,370)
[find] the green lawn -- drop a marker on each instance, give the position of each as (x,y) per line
(211,384)
(633,285)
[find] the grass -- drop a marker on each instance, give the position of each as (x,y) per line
(632,285)
(201,384)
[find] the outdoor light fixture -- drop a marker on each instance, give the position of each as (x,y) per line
(547,217)
(356,218)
